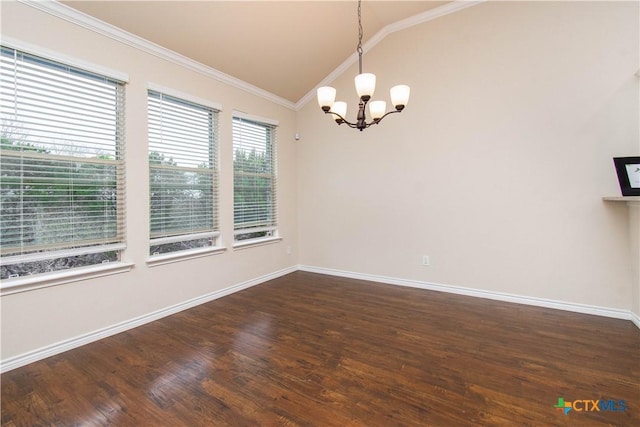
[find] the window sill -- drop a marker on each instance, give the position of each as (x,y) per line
(45,280)
(255,242)
(172,257)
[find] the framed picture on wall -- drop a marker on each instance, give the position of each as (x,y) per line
(628,170)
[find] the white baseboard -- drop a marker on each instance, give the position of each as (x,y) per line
(57,348)
(62,346)
(499,296)
(634,318)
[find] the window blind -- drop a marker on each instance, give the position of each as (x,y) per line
(183,174)
(62,165)
(254,168)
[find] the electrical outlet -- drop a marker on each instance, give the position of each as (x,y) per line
(288,250)
(425,260)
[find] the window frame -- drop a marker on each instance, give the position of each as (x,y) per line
(48,62)
(273,228)
(214,234)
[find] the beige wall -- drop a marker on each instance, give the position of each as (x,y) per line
(34,319)
(498,166)
(496,170)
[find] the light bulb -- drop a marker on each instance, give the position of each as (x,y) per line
(326,96)
(365,85)
(377,109)
(400,96)
(339,107)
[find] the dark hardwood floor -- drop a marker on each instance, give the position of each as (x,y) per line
(314,350)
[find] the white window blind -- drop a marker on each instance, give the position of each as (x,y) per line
(61,166)
(254,179)
(183,174)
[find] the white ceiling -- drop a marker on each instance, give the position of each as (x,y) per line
(283,47)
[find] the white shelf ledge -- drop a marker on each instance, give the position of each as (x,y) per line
(630,200)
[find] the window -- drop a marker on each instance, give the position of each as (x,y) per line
(61,166)
(254,179)
(183,174)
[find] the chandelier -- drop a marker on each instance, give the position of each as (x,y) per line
(365,87)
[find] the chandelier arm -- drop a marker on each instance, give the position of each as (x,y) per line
(345,121)
(385,115)
(364,124)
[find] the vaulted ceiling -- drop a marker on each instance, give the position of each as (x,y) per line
(283,47)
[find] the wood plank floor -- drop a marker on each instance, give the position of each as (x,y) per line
(314,350)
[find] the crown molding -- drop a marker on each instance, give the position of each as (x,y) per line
(59,10)
(403,24)
(76,17)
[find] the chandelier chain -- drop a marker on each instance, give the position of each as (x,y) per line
(360,34)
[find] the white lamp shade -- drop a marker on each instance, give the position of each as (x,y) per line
(326,96)
(365,85)
(377,109)
(400,95)
(339,107)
